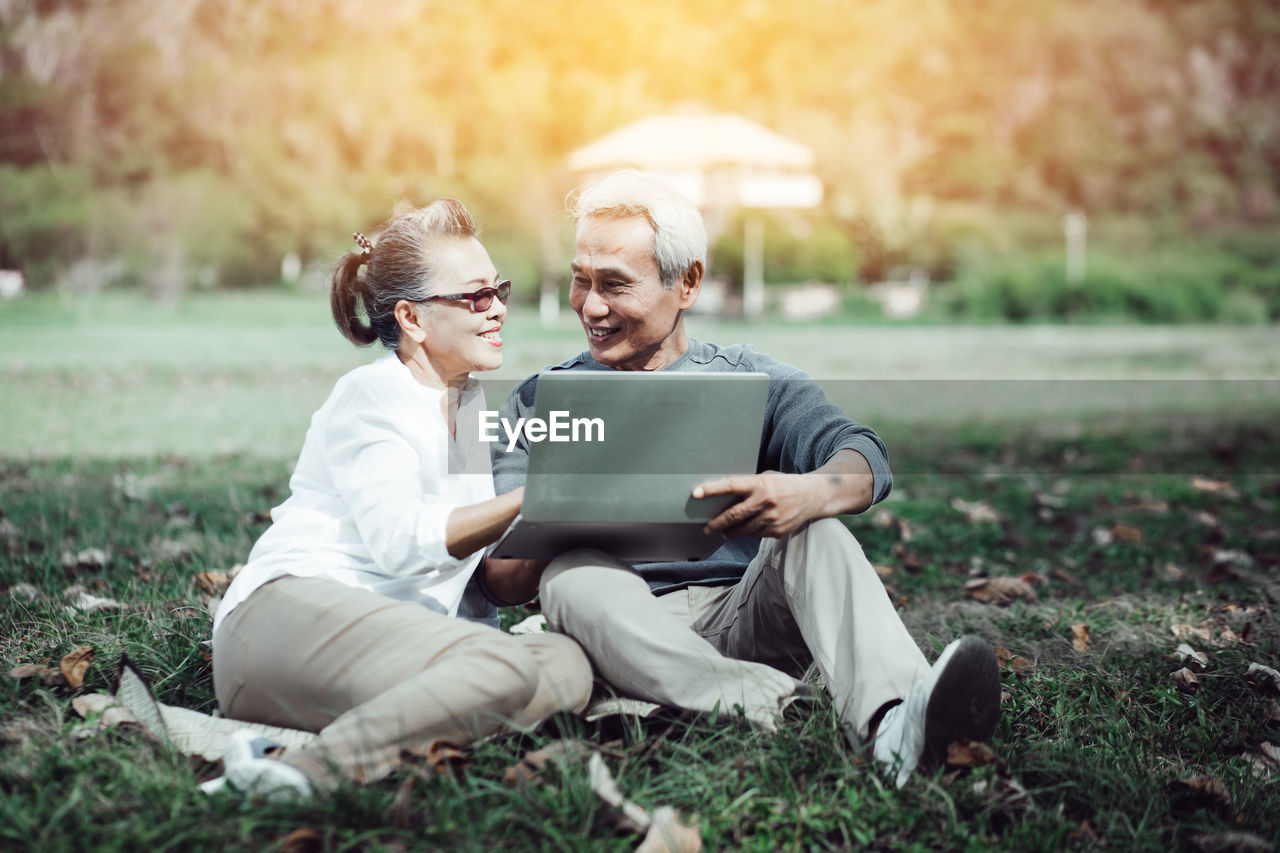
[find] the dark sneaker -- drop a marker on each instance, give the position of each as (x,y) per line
(958,700)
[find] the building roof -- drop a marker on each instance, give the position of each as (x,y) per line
(692,142)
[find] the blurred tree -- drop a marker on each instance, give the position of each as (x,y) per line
(244,130)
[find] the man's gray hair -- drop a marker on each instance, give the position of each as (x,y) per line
(679,235)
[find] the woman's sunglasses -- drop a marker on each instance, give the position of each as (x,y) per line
(480,299)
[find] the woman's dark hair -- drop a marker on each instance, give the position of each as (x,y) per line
(401,265)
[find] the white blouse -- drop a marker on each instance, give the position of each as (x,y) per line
(378,475)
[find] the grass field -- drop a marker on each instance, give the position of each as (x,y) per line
(1131,475)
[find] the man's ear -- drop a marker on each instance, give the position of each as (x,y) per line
(410,316)
(690,285)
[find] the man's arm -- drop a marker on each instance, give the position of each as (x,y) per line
(774,504)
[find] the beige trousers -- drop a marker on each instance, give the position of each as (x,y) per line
(374,676)
(808,596)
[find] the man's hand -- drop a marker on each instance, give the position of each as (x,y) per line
(774,504)
(771,504)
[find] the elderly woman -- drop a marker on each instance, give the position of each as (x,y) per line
(346,619)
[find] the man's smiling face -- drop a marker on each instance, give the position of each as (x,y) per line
(632,322)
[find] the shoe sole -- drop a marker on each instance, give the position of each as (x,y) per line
(965,702)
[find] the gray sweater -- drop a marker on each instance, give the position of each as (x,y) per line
(802,430)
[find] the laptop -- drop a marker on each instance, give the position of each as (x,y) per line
(619,455)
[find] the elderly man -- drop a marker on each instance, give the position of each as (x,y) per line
(790,583)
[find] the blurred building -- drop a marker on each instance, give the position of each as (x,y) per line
(723,163)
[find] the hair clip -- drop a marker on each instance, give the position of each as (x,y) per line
(365,244)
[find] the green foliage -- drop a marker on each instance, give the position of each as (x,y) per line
(241,134)
(45,211)
(1200,282)
(797,248)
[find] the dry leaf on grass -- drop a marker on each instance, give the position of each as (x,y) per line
(83,600)
(668,834)
(75,664)
(113,714)
(92,703)
(169,550)
(18,731)
(1080,637)
(1204,484)
(906,558)
(1262,677)
(70,672)
(1021,666)
(1232,557)
(975,512)
(999,590)
(1190,656)
(1266,761)
(1186,632)
(47,676)
(446,759)
(663,830)
(1228,638)
(1186,679)
(970,753)
(302,841)
(1017,664)
(528,768)
(213,583)
(1126,533)
(1048,501)
(626,814)
(1235,842)
(1205,792)
(1205,519)
(110,713)
(90,559)
(888,521)
(25,591)
(1063,576)
(400,814)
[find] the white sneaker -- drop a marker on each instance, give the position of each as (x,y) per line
(214,786)
(249,770)
(958,699)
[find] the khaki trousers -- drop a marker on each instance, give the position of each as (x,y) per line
(812,595)
(374,676)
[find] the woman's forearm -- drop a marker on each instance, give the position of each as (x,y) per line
(470,528)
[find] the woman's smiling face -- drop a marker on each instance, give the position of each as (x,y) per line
(459,340)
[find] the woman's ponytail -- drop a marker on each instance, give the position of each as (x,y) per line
(345,300)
